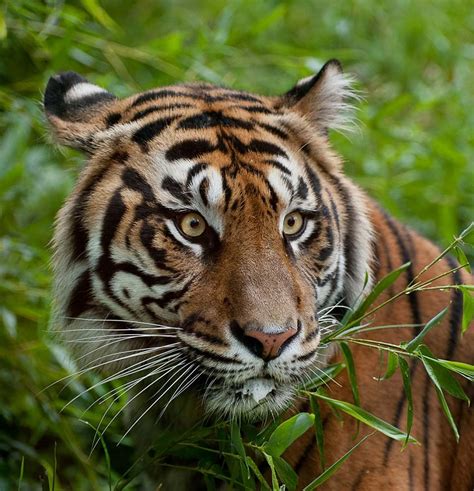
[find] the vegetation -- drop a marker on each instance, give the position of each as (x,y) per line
(414,154)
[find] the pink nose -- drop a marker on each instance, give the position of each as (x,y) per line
(265,345)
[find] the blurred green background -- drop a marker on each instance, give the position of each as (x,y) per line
(414,61)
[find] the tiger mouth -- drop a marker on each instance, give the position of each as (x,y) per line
(251,399)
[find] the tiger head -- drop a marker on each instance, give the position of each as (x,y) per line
(209,236)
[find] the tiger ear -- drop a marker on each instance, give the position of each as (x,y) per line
(325,98)
(76,109)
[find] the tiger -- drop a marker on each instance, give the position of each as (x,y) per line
(224,219)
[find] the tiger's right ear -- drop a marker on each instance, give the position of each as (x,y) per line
(76,110)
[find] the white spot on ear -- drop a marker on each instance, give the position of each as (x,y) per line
(80,90)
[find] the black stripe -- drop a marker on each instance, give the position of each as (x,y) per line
(80,236)
(163,107)
(415,315)
(262,146)
(455,315)
(302,192)
(313,181)
(133,180)
(81,296)
(150,131)
(203,188)
(176,189)
(255,109)
(147,234)
(279,166)
(272,129)
(212,119)
(112,118)
(303,457)
(189,149)
(154,95)
(194,171)
(198,352)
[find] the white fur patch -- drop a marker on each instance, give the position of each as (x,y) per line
(83,89)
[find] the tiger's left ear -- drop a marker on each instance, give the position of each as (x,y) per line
(324,98)
(76,110)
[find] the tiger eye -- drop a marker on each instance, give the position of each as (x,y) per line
(192,224)
(293,223)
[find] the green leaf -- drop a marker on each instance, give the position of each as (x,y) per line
(346,352)
(440,375)
(238,445)
(461,257)
(367,418)
(392,365)
(286,433)
(381,286)
(415,342)
(269,458)
(467,308)
(257,473)
(447,412)
(464,369)
(318,429)
(333,468)
(405,371)
(286,473)
(324,376)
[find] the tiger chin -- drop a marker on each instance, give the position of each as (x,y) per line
(209,242)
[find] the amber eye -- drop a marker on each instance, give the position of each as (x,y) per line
(192,224)
(293,223)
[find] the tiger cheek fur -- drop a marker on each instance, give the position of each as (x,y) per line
(210,240)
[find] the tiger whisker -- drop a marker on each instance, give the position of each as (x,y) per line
(133,398)
(121,373)
(186,367)
(89,319)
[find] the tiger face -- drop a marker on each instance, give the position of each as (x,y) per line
(209,237)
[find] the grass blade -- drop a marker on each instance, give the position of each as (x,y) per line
(318,429)
(333,468)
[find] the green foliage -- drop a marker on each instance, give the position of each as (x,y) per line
(413,154)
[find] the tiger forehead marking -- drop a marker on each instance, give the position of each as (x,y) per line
(246,296)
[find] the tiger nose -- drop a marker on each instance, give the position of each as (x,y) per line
(264,345)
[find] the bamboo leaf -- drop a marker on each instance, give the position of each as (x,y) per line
(269,459)
(464,369)
(367,418)
(447,411)
(286,473)
(333,468)
(461,257)
(346,352)
(238,445)
(392,365)
(415,342)
(440,375)
(286,433)
(257,473)
(381,286)
(405,371)
(467,308)
(318,429)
